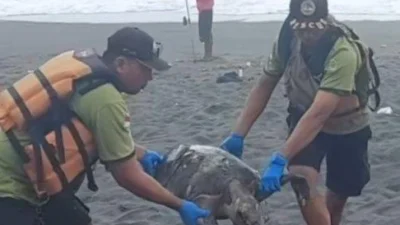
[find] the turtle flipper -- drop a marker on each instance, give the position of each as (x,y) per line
(210,202)
(299,185)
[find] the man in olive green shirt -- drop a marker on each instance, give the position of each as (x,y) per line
(131,55)
(327,116)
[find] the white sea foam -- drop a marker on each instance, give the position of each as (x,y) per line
(106,11)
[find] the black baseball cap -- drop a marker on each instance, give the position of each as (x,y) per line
(136,43)
(310,14)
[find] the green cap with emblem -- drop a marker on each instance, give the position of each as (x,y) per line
(308,14)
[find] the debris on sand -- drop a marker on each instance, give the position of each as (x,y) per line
(229,77)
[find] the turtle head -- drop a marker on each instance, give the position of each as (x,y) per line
(245,209)
(248,212)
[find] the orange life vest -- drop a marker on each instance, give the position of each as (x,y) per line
(62,148)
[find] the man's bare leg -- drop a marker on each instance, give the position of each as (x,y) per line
(208,48)
(335,204)
(315,212)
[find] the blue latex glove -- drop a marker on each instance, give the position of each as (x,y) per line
(190,213)
(234,144)
(271,178)
(150,162)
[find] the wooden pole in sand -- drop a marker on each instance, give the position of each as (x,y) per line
(189,22)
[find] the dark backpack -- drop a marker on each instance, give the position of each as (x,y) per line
(316,62)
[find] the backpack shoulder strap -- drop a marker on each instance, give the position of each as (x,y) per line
(367,61)
(284,42)
(374,77)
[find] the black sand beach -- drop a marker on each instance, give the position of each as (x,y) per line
(186,106)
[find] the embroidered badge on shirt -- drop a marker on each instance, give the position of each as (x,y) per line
(127,121)
(332,65)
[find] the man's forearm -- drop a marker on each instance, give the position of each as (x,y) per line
(311,123)
(131,176)
(306,130)
(255,104)
(147,188)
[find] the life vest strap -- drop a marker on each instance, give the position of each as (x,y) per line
(93,84)
(48,150)
(59,115)
(85,157)
(63,115)
(58,112)
(13,140)
(17,146)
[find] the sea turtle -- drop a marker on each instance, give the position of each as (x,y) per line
(218,181)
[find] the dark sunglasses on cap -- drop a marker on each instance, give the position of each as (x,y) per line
(156,51)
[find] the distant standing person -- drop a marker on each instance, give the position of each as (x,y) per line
(205,8)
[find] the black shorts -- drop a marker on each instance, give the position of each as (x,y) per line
(60,210)
(348,169)
(205,25)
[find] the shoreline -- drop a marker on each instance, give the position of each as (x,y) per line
(176,17)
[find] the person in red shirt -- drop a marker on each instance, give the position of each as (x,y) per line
(205,8)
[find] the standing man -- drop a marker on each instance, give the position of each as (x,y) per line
(205,8)
(29,194)
(327,88)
